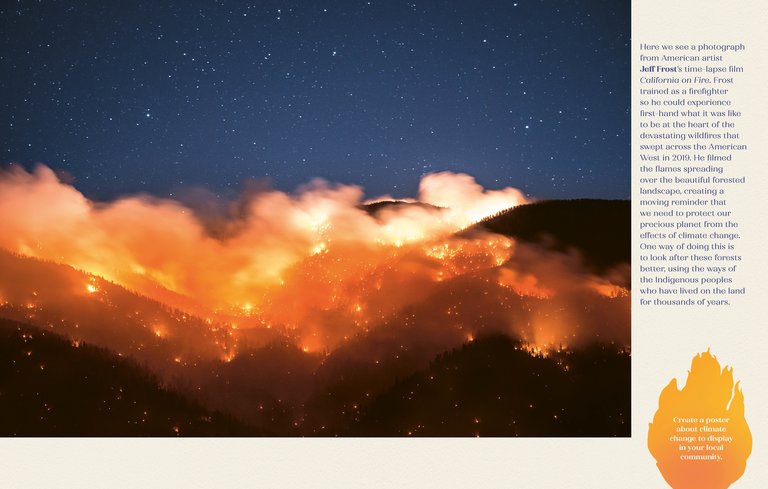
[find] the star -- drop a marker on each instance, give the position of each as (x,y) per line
(245,89)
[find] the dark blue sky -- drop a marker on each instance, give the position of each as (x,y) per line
(158,96)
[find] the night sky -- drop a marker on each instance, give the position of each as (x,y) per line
(159,96)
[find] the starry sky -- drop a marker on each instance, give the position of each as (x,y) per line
(159,96)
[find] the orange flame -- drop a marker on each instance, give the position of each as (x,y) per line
(314,264)
(699,435)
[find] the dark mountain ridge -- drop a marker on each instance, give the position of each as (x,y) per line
(600,230)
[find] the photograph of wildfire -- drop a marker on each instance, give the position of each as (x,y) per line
(352,219)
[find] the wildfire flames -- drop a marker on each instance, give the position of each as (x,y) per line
(317,263)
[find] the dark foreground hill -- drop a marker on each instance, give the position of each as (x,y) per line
(600,230)
(494,387)
(51,386)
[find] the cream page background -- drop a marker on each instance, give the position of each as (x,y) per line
(664,342)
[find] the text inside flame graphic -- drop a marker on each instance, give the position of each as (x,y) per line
(699,435)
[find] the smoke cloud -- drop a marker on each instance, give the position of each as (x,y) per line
(319,262)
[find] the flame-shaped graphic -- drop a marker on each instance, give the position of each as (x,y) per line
(699,435)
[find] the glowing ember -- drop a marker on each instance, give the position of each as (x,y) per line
(319,248)
(228,357)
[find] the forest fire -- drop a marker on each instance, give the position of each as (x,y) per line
(141,242)
(293,287)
